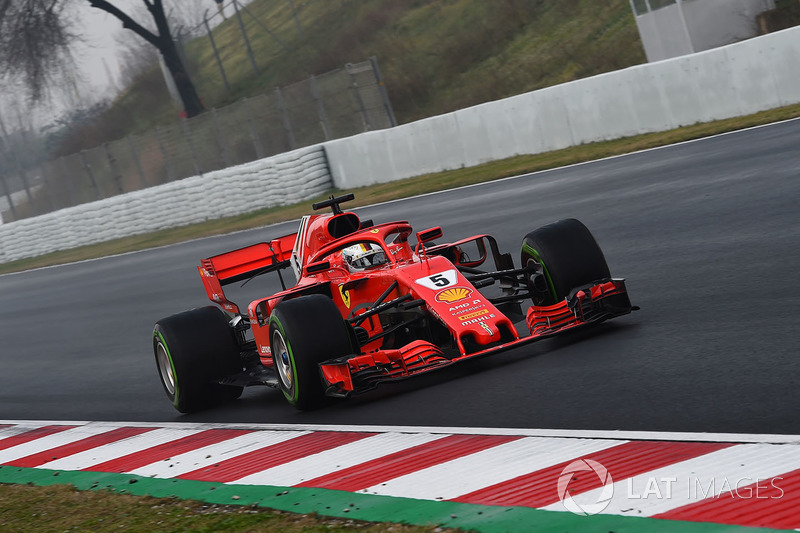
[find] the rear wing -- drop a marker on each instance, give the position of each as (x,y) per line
(243,264)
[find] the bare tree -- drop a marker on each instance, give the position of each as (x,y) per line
(163,41)
(34,43)
(136,55)
(35,39)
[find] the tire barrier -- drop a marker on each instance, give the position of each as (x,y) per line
(274,181)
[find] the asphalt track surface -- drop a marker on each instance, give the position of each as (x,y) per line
(707,234)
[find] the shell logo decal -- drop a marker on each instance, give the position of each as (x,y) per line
(456,294)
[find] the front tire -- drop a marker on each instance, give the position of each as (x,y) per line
(566,256)
(192,349)
(304,332)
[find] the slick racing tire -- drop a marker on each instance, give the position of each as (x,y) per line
(566,256)
(304,332)
(193,349)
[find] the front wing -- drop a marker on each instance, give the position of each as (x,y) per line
(584,306)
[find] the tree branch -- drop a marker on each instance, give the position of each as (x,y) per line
(127,21)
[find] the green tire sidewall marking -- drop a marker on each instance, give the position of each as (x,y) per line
(527,249)
(159,336)
(295,386)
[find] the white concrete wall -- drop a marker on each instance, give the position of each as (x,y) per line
(739,79)
(280,180)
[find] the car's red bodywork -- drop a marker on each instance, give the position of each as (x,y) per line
(430,282)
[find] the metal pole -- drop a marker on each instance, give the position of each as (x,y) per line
(661,54)
(223,147)
(188,134)
(10,199)
(137,162)
(685,26)
(88,168)
(287,124)
(263,27)
(362,109)
(296,20)
(170,174)
(216,53)
(244,35)
(323,117)
(384,95)
(253,133)
(24,177)
(112,166)
(47,187)
(70,186)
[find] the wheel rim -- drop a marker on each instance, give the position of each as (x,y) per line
(165,369)
(283,365)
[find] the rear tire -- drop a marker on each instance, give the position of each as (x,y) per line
(193,349)
(566,256)
(304,332)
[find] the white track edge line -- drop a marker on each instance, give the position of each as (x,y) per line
(522,432)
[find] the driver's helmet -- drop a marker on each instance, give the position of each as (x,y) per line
(363,255)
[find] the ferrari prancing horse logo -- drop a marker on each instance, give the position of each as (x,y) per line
(345,295)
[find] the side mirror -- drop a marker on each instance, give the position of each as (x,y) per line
(429,234)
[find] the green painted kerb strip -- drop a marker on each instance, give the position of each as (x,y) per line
(371,508)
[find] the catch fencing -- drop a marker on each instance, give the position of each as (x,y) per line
(337,104)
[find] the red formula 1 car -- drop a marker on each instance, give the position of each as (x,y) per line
(369,307)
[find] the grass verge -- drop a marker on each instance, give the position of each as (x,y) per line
(28,508)
(410,187)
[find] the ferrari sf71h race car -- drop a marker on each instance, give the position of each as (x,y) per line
(369,307)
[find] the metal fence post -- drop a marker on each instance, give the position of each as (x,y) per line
(112,166)
(253,132)
(244,35)
(216,53)
(263,27)
(366,126)
(88,168)
(24,177)
(47,187)
(323,117)
(188,134)
(10,199)
(65,176)
(296,20)
(170,175)
(384,95)
(136,161)
(223,146)
(287,124)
